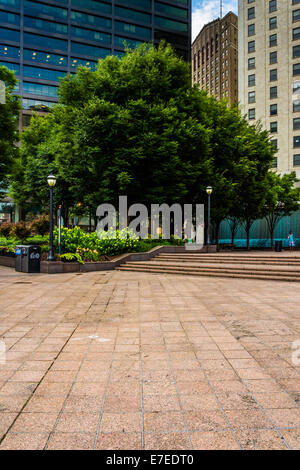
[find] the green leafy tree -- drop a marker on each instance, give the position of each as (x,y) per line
(9,119)
(283,199)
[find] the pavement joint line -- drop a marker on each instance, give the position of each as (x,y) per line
(107,382)
(38,383)
(141,385)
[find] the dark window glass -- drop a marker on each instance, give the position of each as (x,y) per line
(36,105)
(92,20)
(132,15)
(273,57)
(272,5)
(44,74)
(9,34)
(273,22)
(251,29)
(296,141)
(296,33)
(39,89)
(296,51)
(132,43)
(273,92)
(251,46)
(273,109)
(251,80)
(273,75)
(251,113)
(297,159)
(132,30)
(296,106)
(44,41)
(274,142)
(146,4)
(13,67)
(74,63)
(273,40)
(296,69)
(296,123)
(45,58)
(34,8)
(47,26)
(170,24)
(273,127)
(6,17)
(93,5)
(168,10)
(9,51)
(172,38)
(251,13)
(87,50)
(251,63)
(11,3)
(90,35)
(296,15)
(251,97)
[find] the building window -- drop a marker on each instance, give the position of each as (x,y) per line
(251,97)
(296,141)
(251,63)
(296,69)
(273,22)
(296,15)
(273,92)
(274,142)
(272,6)
(273,40)
(273,127)
(273,110)
(251,80)
(296,106)
(296,160)
(296,33)
(251,29)
(274,163)
(273,75)
(251,13)
(273,57)
(296,52)
(251,46)
(251,113)
(296,124)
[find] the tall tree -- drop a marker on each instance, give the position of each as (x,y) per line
(9,119)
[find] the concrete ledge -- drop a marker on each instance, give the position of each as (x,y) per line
(8,261)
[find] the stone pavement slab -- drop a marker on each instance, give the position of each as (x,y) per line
(121,360)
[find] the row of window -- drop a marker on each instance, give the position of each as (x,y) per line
(272,8)
(296,161)
(35,9)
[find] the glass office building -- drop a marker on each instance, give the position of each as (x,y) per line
(43,40)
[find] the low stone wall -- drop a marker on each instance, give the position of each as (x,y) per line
(8,261)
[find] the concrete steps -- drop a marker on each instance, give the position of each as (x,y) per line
(272,267)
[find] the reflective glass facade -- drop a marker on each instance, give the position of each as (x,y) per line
(42,40)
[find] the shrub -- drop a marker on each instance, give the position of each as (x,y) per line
(72,257)
(6,229)
(40,225)
(22,230)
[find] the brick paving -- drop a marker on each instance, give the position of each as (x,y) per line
(121,360)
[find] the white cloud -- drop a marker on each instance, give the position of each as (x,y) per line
(208,10)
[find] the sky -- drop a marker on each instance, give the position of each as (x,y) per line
(205,11)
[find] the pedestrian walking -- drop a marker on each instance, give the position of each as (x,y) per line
(291,241)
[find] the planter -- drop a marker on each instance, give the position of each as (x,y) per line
(8,261)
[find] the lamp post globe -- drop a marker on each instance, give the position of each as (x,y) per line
(51,180)
(209,191)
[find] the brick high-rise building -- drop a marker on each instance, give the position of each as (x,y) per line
(269,73)
(215,58)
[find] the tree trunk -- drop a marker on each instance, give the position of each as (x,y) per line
(272,238)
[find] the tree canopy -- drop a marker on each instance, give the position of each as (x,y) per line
(9,119)
(136,126)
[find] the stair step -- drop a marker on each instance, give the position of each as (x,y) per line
(230,261)
(212,274)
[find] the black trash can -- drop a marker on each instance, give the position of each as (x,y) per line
(278,245)
(28,258)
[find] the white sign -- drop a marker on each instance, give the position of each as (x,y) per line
(2,92)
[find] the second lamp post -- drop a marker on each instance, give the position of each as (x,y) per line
(51,182)
(209,191)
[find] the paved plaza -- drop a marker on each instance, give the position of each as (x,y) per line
(128,360)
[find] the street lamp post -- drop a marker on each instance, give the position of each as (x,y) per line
(51,182)
(208,191)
